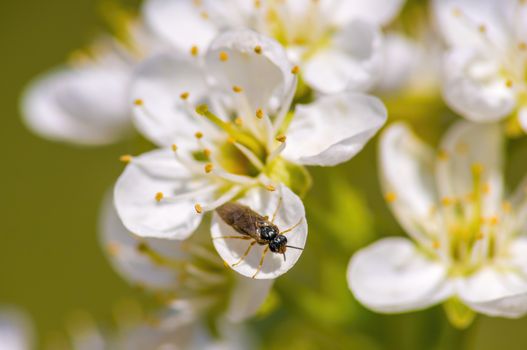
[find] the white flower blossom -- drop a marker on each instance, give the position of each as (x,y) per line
(485,67)
(467,242)
(188,271)
(224,126)
(16,330)
(336,43)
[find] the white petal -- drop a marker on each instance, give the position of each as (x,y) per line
(406,165)
(334,128)
(85,105)
(474,87)
(122,249)
(352,62)
(290,213)
(380,12)
(16,331)
(392,276)
(401,59)
(261,76)
(466,146)
(136,189)
(164,117)
(247,297)
(497,291)
(182,23)
(522,117)
(460,21)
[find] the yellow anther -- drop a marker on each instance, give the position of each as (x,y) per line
(224,56)
(270,188)
(494,220)
(295,70)
(237,89)
(204,15)
(159,196)
(390,197)
(436,244)
(174,147)
(198,135)
(231,139)
(184,95)
(238,121)
(506,206)
(198,209)
(522,45)
(456,12)
(138,102)
(442,155)
(126,158)
(258,49)
(482,28)
(207,152)
(209,167)
(281,138)
(485,188)
(113,248)
(446,201)
(477,168)
(194,50)
(259,113)
(509,83)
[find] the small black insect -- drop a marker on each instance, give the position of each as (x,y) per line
(253,226)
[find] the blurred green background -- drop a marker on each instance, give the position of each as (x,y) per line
(51,264)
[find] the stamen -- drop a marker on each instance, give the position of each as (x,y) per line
(159,196)
(390,197)
(126,158)
(238,121)
(227,196)
(259,113)
(442,155)
(276,152)
(447,201)
(207,152)
(295,70)
(209,167)
(184,95)
(198,208)
(204,15)
(249,155)
(270,188)
(138,102)
(237,89)
(258,49)
(194,51)
(224,56)
(281,138)
(174,147)
(509,83)
(198,135)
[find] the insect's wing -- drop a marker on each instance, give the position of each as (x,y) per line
(240,217)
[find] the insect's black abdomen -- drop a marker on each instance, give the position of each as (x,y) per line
(239,217)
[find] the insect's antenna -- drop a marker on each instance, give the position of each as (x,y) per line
(289,246)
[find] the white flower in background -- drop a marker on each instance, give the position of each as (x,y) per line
(16,331)
(336,43)
(486,65)
(177,328)
(188,271)
(224,127)
(468,243)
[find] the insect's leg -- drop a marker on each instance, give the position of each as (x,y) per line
(293,227)
(232,237)
(245,254)
(277,208)
(261,261)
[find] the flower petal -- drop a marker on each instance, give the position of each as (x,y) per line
(16,330)
(181,23)
(262,77)
(392,276)
(460,22)
(380,12)
(353,61)
(474,87)
(334,128)
(468,148)
(406,166)
(162,114)
(497,291)
(247,297)
(291,212)
(136,267)
(86,105)
(135,197)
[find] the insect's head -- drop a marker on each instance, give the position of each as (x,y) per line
(278,244)
(267,231)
